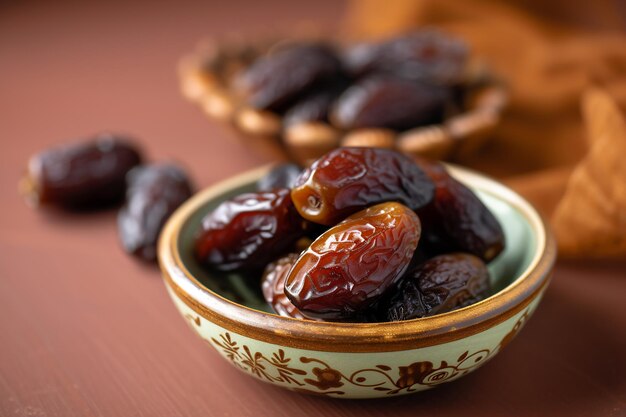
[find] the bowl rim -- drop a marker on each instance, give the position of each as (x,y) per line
(357,337)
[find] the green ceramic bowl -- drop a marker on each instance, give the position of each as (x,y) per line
(358,360)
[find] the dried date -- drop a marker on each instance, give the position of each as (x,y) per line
(281,176)
(347,180)
(273,286)
(274,81)
(249,231)
(424,56)
(438,285)
(153,193)
(390,103)
(457,220)
(82,175)
(315,106)
(349,267)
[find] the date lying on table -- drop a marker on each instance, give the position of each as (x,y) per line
(379,215)
(97,173)
(88,174)
(154,192)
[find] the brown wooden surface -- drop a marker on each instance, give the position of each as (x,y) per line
(87,331)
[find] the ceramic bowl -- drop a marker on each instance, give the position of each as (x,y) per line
(357,360)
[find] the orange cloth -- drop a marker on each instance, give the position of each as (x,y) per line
(549,54)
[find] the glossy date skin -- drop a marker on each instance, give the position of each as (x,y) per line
(438,285)
(391,103)
(457,220)
(273,286)
(154,192)
(349,267)
(249,231)
(347,180)
(84,175)
(274,82)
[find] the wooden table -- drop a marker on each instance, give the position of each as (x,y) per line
(87,331)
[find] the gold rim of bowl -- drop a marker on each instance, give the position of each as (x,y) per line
(357,337)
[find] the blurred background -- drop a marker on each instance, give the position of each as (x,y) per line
(90,332)
(73,68)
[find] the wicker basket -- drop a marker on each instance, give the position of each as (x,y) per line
(205,76)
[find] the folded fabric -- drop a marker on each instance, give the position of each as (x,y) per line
(590,218)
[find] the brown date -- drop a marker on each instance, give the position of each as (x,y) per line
(281,176)
(440,284)
(90,174)
(274,81)
(350,266)
(390,103)
(315,105)
(153,193)
(249,231)
(273,286)
(457,220)
(425,56)
(347,180)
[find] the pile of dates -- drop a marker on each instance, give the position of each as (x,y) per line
(413,80)
(104,171)
(361,235)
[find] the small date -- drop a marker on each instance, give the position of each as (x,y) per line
(347,180)
(274,81)
(153,193)
(457,220)
(438,285)
(391,103)
(84,175)
(350,266)
(249,231)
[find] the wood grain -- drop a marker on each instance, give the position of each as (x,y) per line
(87,331)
